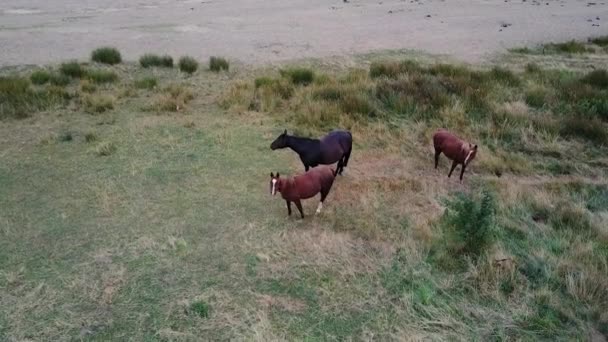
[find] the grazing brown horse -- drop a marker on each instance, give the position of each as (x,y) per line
(307,185)
(456,149)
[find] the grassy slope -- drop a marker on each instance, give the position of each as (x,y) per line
(120,246)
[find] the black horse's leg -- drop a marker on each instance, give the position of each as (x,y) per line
(340,166)
(299,205)
(437,153)
(454,164)
(288,207)
(462,171)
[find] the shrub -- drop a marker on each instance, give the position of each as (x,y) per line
(40,77)
(536,97)
(19,100)
(60,80)
(72,69)
(200,309)
(392,69)
(105,148)
(601,41)
(586,128)
(146,83)
(151,60)
(504,76)
(98,103)
(188,65)
(87,87)
(263,81)
(106,55)
(218,64)
(175,98)
(567,47)
(470,223)
(299,76)
(102,76)
(597,78)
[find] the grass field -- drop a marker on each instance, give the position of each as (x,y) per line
(134,202)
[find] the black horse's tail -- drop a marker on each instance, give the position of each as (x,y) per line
(348,149)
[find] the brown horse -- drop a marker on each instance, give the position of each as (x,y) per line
(307,185)
(456,149)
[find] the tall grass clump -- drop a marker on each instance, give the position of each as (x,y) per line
(567,47)
(146,83)
(469,224)
(174,98)
(19,100)
(188,65)
(60,80)
(151,60)
(392,69)
(585,128)
(106,55)
(102,76)
(597,78)
(504,76)
(601,41)
(40,77)
(97,104)
(218,64)
(298,76)
(72,69)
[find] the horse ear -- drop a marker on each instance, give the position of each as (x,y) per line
(475,147)
(278,175)
(271,175)
(285,132)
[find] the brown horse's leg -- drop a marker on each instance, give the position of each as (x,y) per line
(462,172)
(299,205)
(288,207)
(454,164)
(437,153)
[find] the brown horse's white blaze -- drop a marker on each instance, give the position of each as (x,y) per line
(307,185)
(456,149)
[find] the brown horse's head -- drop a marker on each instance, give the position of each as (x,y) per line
(471,152)
(275,184)
(279,142)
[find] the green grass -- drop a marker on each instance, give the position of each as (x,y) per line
(72,69)
(40,77)
(152,60)
(106,55)
(298,76)
(102,76)
(139,224)
(601,40)
(188,64)
(218,64)
(149,82)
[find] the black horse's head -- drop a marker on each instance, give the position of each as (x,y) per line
(279,142)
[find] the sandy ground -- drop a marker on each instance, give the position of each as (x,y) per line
(259,31)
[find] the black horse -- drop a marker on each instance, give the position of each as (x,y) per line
(334,147)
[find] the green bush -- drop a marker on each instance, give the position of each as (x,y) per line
(567,47)
(102,76)
(19,100)
(106,55)
(504,76)
(299,76)
(263,81)
(200,309)
(597,78)
(536,97)
(60,80)
(72,69)
(469,223)
(601,41)
(151,60)
(40,77)
(188,64)
(218,64)
(146,83)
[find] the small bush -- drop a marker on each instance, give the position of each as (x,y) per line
(200,309)
(98,103)
(19,100)
(601,41)
(354,103)
(470,223)
(146,83)
(40,77)
(392,69)
(106,55)
(263,81)
(188,64)
(175,98)
(218,64)
(299,76)
(586,128)
(504,76)
(567,47)
(90,137)
(151,60)
(87,87)
(72,69)
(102,76)
(597,78)
(60,80)
(536,97)
(533,68)
(105,148)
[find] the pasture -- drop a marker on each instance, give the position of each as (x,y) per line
(134,201)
